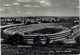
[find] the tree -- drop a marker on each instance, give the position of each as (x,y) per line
(15,39)
(77,39)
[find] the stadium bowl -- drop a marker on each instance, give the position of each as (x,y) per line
(41,31)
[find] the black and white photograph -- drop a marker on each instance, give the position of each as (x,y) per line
(39,27)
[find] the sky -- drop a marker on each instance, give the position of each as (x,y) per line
(12,8)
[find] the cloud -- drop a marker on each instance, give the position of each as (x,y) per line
(16,4)
(1,9)
(56,5)
(78,7)
(27,6)
(38,11)
(44,3)
(6,5)
(28,13)
(48,13)
(24,0)
(36,6)
(73,3)
(18,11)
(47,4)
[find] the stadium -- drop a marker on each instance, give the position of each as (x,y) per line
(38,30)
(39,36)
(43,33)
